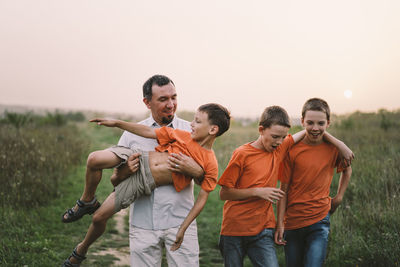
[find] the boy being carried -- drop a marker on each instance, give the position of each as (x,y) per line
(210,121)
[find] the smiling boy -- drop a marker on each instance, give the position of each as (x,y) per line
(304,211)
(210,121)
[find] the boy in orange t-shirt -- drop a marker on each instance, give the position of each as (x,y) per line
(304,212)
(249,188)
(210,121)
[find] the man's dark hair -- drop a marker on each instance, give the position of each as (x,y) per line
(274,115)
(157,79)
(217,115)
(316,104)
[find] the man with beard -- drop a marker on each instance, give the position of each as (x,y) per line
(155,219)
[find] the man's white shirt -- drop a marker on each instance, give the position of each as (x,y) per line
(164,208)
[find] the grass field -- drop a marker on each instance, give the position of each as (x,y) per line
(364,230)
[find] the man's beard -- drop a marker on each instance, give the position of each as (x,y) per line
(167,120)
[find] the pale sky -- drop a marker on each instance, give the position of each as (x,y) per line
(245,55)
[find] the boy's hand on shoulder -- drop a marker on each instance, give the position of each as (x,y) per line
(347,155)
(105,122)
(270,194)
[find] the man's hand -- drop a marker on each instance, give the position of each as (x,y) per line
(125,170)
(178,240)
(105,122)
(133,162)
(184,164)
(279,236)
(270,194)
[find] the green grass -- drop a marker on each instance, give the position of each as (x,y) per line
(36,236)
(364,230)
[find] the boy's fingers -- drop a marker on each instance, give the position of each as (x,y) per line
(176,245)
(183,156)
(177,156)
(279,239)
(279,190)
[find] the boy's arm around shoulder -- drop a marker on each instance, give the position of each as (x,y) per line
(193,213)
(344,150)
(298,136)
(135,128)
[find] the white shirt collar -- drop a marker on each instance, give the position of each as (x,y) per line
(173,124)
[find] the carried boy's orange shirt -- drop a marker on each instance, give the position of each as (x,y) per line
(251,167)
(176,141)
(309,171)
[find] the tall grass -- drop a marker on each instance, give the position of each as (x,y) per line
(35,156)
(366,228)
(42,166)
(37,153)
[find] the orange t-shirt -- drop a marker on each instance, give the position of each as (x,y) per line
(175,141)
(309,171)
(251,167)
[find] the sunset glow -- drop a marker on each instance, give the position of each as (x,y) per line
(348,94)
(97,55)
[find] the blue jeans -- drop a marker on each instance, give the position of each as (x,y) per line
(260,249)
(307,246)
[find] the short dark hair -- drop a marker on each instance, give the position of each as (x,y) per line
(274,115)
(217,115)
(316,104)
(157,79)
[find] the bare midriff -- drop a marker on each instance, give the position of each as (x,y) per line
(158,163)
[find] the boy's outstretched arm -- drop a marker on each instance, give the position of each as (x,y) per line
(343,183)
(280,214)
(271,194)
(299,136)
(344,150)
(135,128)
(193,213)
